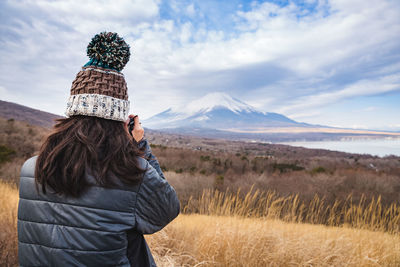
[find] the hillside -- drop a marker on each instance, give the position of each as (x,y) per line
(195,164)
(32,116)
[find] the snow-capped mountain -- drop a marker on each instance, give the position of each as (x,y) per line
(214,100)
(217,111)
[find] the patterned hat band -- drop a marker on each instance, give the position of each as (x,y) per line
(99,92)
(97,105)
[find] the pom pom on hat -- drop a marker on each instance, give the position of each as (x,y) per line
(108,50)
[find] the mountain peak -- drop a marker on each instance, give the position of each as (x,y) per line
(215,100)
(216,111)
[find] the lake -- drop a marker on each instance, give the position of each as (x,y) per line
(376,147)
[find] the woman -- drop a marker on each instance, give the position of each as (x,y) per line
(94,189)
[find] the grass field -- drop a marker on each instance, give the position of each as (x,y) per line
(8,224)
(210,240)
(201,240)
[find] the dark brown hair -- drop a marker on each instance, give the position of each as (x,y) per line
(80,144)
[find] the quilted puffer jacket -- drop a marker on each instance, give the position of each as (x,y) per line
(103,227)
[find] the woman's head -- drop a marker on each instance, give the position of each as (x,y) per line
(83,143)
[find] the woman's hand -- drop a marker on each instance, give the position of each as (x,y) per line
(138,131)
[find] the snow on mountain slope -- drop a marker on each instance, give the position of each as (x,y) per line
(214,100)
(216,111)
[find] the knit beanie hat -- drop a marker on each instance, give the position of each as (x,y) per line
(99,89)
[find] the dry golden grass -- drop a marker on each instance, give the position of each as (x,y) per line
(370,215)
(8,224)
(201,240)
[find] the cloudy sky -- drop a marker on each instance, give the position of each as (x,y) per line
(330,62)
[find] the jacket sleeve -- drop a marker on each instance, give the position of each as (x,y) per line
(144,146)
(157,203)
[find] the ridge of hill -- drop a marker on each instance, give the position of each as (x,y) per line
(33,116)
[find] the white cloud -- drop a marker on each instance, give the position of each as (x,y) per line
(85,15)
(358,126)
(361,88)
(305,115)
(369,109)
(190,10)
